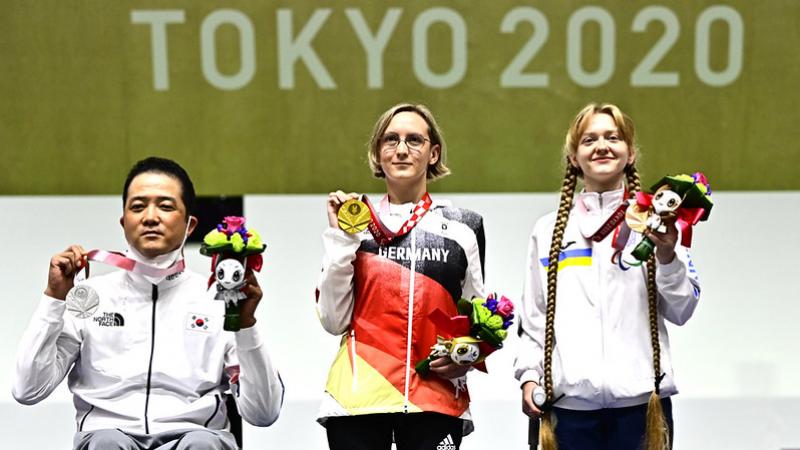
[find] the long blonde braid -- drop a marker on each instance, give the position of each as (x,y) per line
(656,429)
(547,430)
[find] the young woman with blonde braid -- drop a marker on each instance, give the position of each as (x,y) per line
(592,326)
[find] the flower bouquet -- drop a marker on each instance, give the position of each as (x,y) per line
(683,199)
(468,338)
(233,249)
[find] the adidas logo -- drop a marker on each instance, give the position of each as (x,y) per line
(446,444)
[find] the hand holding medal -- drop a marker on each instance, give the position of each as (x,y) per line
(234,251)
(682,199)
(347,212)
(82,301)
(63,268)
(353,213)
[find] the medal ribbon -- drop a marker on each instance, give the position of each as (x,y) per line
(615,222)
(123,262)
(384,235)
(611,223)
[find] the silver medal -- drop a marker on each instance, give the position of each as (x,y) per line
(82,301)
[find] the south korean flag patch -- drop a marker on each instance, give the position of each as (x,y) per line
(198,322)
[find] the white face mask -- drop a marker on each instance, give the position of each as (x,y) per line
(161,261)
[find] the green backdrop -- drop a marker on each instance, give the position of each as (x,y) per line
(257,96)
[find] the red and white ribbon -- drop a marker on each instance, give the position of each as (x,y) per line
(123,262)
(384,235)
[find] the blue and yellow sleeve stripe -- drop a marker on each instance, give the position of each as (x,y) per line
(568,258)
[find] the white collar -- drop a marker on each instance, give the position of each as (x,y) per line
(600,203)
(161,261)
(385,206)
(594,208)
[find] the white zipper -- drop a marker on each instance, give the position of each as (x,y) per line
(602,302)
(410,313)
(353,359)
(604,371)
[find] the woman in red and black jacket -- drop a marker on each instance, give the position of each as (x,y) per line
(377,290)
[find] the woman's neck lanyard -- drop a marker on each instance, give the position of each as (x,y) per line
(382,234)
(622,232)
(614,221)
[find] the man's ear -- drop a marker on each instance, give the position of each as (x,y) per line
(192,225)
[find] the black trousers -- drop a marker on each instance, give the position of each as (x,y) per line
(413,431)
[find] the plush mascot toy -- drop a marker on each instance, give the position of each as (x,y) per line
(471,336)
(233,249)
(683,199)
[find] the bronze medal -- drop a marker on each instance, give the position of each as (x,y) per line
(354,216)
(636,218)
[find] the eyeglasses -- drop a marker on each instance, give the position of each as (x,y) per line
(413,141)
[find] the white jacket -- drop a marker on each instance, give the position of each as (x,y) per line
(152,358)
(602,356)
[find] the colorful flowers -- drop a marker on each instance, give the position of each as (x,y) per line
(230,240)
(479,329)
(702,183)
(490,318)
(232,236)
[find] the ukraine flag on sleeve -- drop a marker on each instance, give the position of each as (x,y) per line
(567,258)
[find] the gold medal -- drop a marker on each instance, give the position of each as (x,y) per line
(353,216)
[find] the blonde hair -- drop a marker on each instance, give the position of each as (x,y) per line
(436,170)
(657,432)
(627,131)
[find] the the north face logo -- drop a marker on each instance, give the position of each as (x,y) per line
(446,444)
(110,319)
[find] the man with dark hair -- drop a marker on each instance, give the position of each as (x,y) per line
(164,166)
(149,363)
